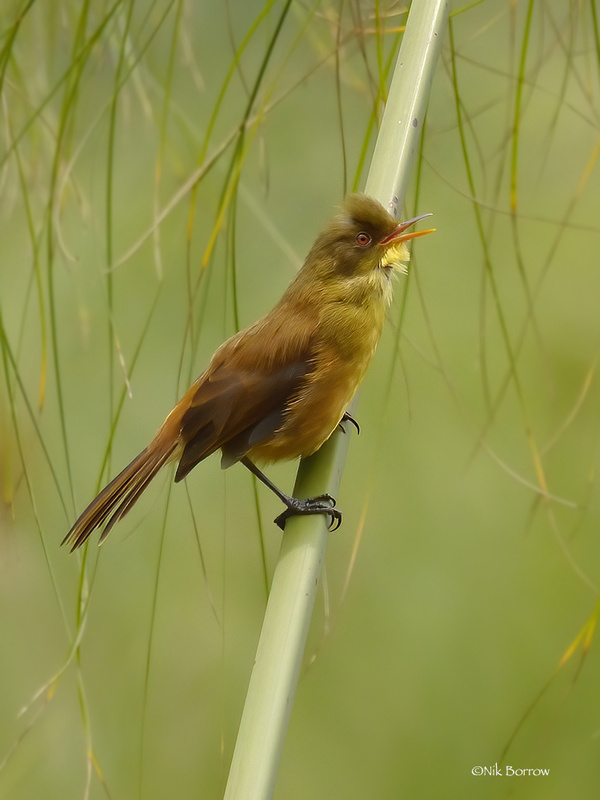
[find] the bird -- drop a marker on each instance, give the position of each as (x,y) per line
(278,389)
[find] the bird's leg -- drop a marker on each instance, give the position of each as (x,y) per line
(349,418)
(322,504)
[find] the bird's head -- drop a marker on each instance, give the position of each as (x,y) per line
(365,237)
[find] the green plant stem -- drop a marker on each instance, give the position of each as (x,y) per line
(281,646)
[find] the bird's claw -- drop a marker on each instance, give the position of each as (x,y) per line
(321,504)
(348,418)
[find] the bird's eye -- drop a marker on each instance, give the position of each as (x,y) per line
(363,239)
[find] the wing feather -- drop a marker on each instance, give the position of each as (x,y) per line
(240,399)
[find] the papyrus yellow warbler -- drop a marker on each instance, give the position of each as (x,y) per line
(278,389)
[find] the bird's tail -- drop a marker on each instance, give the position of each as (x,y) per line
(115,500)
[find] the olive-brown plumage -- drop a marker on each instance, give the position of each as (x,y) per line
(278,389)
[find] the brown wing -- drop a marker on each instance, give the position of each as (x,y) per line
(234,410)
(241,398)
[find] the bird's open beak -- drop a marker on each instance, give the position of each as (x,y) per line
(398,235)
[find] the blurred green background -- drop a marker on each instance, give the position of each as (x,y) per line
(467,565)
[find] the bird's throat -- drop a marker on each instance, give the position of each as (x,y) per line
(394,258)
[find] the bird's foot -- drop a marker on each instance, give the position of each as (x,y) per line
(322,504)
(349,418)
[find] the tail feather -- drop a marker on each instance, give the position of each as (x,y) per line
(143,478)
(117,498)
